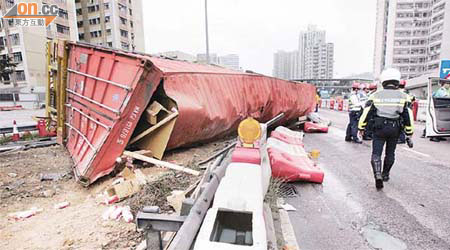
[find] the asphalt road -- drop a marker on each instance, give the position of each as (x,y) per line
(347,212)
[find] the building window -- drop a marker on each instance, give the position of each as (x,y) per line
(131,24)
(107,19)
(20,75)
(123,21)
(10,22)
(124,33)
(97,33)
(62,29)
(81,36)
(9,3)
(79,12)
(108,32)
(125,46)
(93,8)
(17,57)
(63,14)
(94,21)
(106,6)
(131,12)
(15,39)
(109,44)
(80,24)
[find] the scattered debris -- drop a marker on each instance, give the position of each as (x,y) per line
(155,193)
(25,214)
(288,207)
(62,205)
(175,200)
(12,175)
(51,176)
(117,212)
(127,184)
(48,193)
(126,214)
(316,118)
(161,163)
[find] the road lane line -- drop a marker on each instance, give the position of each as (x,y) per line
(416,152)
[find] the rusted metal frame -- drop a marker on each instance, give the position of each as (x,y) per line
(100,79)
(87,116)
(81,135)
(62,93)
(93,101)
(47,93)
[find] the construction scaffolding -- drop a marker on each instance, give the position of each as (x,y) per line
(57,58)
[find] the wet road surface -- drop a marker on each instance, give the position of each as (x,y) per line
(347,212)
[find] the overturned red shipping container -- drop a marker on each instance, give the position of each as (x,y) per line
(109,90)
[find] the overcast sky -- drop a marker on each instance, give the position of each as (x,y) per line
(255,29)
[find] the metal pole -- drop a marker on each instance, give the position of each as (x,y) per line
(206,27)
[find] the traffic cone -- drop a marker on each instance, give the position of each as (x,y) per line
(15,136)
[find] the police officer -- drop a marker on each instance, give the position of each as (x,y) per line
(391,113)
(368,133)
(354,114)
(402,137)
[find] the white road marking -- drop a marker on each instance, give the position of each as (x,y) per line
(416,152)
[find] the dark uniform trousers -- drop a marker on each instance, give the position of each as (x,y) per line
(352,127)
(387,134)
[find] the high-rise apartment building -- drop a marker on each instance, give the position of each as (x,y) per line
(111,23)
(230,61)
(410,36)
(285,65)
(316,56)
(26,45)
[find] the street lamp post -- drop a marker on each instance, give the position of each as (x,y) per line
(206,27)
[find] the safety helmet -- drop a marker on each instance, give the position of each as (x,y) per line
(402,84)
(390,75)
(373,86)
(355,85)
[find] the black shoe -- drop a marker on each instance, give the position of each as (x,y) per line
(379,184)
(385,177)
(348,139)
(435,139)
(422,136)
(358,141)
(401,142)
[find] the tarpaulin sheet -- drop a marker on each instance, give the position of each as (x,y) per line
(109,90)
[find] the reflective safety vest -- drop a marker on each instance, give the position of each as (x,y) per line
(354,102)
(389,103)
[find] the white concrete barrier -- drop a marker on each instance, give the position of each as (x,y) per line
(237,212)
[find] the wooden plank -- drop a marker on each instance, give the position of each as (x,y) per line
(161,163)
(153,128)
